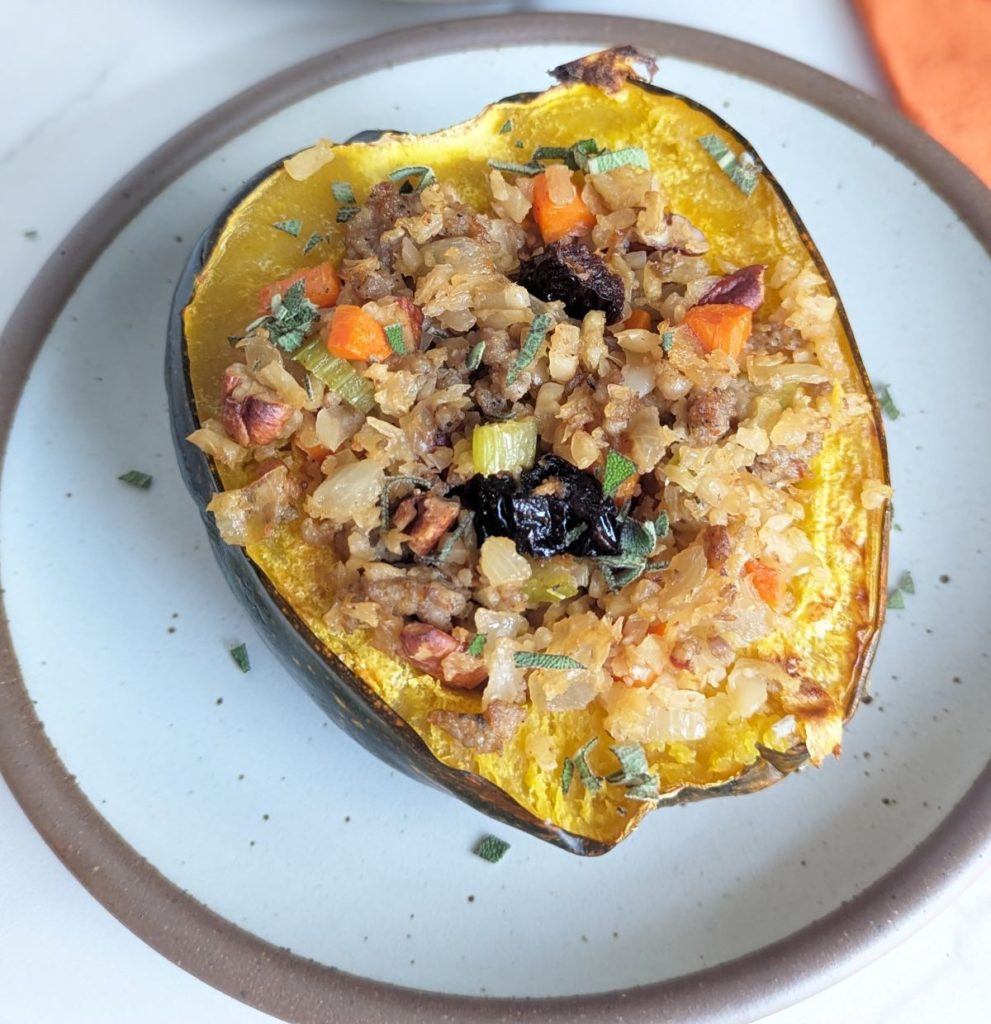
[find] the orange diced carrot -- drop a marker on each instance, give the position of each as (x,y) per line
(311,451)
(557,221)
(355,334)
(766,580)
(721,326)
(321,283)
(639,320)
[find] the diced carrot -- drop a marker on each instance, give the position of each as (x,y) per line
(311,451)
(322,286)
(557,221)
(627,490)
(355,334)
(657,628)
(721,326)
(639,320)
(766,580)
(305,439)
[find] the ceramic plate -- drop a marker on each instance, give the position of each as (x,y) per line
(219,815)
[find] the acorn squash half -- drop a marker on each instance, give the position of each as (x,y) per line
(828,640)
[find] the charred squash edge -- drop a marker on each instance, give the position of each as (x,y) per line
(346,698)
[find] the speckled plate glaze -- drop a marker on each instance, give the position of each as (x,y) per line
(222,819)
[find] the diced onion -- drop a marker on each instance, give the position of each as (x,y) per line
(501,564)
(351,489)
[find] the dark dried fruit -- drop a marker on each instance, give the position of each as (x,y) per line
(744,287)
(555,508)
(570,272)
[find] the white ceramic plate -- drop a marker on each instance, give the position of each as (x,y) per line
(237,792)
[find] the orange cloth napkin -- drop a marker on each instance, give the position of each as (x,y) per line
(937,54)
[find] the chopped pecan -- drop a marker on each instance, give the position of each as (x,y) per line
(684,652)
(405,513)
(463,671)
(487,733)
(249,419)
(426,646)
(716,545)
(434,519)
(744,287)
(415,314)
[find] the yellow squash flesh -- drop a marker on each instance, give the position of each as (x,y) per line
(833,631)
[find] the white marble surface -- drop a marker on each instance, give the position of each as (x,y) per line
(98,87)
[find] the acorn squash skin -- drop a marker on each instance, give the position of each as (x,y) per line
(349,699)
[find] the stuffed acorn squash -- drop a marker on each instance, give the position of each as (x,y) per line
(541,451)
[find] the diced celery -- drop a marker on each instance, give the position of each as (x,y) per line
(505,447)
(548,584)
(338,374)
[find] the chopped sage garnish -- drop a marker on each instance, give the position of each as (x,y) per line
(290,319)
(637,542)
(744,171)
(574,533)
(491,848)
(506,128)
(649,789)
(592,782)
(290,227)
(136,478)
(474,357)
(421,171)
(530,169)
(343,193)
(886,402)
(567,774)
(541,659)
(667,340)
(312,242)
(477,645)
(896,596)
(240,656)
(632,764)
(396,481)
(630,156)
(394,336)
(345,213)
(565,153)
(531,345)
(618,469)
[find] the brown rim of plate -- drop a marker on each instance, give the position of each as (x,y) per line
(300,990)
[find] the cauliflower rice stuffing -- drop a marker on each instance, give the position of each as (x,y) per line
(554,452)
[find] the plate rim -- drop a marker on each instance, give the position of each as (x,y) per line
(297,989)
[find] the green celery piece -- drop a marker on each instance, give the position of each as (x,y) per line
(548,584)
(504,447)
(338,374)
